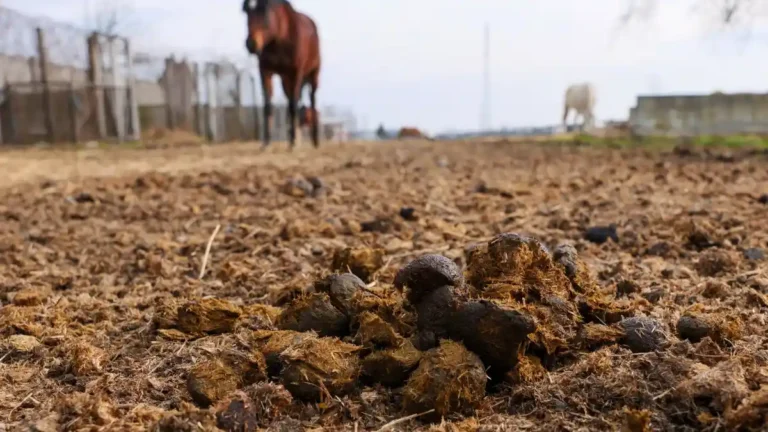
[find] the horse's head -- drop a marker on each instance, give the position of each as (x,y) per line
(263,23)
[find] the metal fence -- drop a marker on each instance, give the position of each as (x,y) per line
(59,83)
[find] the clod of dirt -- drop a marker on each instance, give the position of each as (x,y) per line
(273,343)
(714,262)
(387,304)
(577,271)
(314,312)
(643,334)
(754,254)
(211,316)
(701,235)
(434,314)
(297,187)
(318,369)
(273,400)
(19,320)
(363,262)
(722,329)
(601,234)
(493,332)
(166,313)
(660,249)
(409,214)
(379,225)
(520,272)
(30,297)
(528,369)
(373,331)
(716,389)
(212,380)
(341,288)
(426,274)
(260,317)
(499,267)
(391,366)
(637,420)
(19,345)
(236,413)
(593,336)
(626,287)
(654,295)
(81,358)
(715,289)
(752,413)
(449,379)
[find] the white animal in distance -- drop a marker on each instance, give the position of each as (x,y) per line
(580,98)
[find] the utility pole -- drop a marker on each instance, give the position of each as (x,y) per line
(485,111)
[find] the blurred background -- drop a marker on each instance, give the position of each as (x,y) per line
(450,68)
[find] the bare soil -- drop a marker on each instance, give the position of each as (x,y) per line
(106,323)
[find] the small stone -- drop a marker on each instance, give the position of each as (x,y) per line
(408,213)
(601,234)
(660,249)
(693,328)
(754,254)
(643,334)
(763,199)
(427,273)
(341,288)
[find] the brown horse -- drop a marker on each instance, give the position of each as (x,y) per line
(287,44)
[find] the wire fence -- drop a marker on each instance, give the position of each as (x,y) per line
(65,84)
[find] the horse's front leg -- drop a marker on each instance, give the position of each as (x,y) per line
(266,87)
(292,88)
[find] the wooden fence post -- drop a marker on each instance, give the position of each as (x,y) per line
(168,79)
(199,111)
(42,53)
(118,97)
(10,134)
(239,104)
(95,77)
(75,132)
(133,100)
(210,115)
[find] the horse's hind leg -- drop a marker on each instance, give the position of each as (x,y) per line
(313,82)
(292,88)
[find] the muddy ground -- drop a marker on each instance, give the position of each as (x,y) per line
(105,323)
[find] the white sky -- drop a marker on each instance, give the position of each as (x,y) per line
(419,62)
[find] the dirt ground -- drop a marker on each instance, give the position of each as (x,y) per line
(106,324)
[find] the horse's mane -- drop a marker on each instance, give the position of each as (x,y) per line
(250,5)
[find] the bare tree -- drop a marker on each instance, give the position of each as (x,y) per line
(111,17)
(731,13)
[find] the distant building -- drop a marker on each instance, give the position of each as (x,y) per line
(691,115)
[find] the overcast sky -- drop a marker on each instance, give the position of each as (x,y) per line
(419,62)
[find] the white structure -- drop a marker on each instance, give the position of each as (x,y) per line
(580,98)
